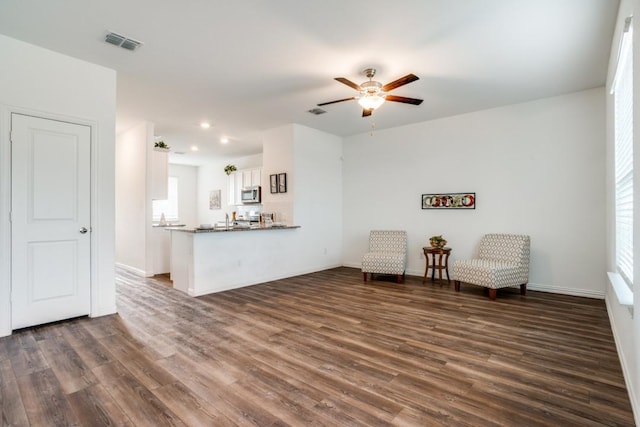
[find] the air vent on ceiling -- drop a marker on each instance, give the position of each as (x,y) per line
(317,111)
(122,41)
(178,152)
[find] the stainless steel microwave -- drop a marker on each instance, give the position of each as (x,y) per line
(250,195)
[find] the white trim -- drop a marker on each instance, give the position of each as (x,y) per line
(624,364)
(621,289)
(530,286)
(5,205)
(587,293)
(5,224)
(262,280)
(134,270)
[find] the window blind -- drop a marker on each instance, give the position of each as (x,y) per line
(623,130)
(170,206)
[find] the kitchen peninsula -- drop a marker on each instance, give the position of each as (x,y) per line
(205,261)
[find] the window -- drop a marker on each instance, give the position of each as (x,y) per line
(623,146)
(170,206)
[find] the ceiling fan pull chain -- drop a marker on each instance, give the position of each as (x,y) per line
(373,127)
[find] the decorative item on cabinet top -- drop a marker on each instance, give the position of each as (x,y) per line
(230,168)
(161,146)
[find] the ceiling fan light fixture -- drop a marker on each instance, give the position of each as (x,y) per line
(371,102)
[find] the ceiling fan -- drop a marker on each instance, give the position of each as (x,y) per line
(372,94)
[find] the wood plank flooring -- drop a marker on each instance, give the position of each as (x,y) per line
(324,349)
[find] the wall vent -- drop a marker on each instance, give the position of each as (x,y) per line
(317,111)
(122,41)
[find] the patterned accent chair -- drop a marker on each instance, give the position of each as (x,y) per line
(387,254)
(503,261)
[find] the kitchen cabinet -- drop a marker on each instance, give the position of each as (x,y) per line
(251,177)
(240,179)
(256,176)
(159,174)
(231,189)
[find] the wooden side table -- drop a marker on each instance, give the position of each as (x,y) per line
(436,262)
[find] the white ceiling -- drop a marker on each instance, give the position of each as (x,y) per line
(250,65)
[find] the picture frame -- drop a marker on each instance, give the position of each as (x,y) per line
(449,201)
(282,183)
(215,199)
(273,183)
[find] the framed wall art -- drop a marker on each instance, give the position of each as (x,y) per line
(282,183)
(215,199)
(273,183)
(449,201)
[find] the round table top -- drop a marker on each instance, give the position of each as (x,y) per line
(432,249)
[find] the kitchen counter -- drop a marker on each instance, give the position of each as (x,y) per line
(231,228)
(205,261)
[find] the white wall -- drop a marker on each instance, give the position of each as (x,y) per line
(212,177)
(137,242)
(536,168)
(625,328)
(131,196)
(316,183)
(278,156)
(44,83)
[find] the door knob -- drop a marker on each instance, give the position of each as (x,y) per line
(83,230)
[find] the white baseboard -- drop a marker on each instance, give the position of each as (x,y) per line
(530,286)
(633,395)
(264,279)
(566,291)
(134,270)
(104,311)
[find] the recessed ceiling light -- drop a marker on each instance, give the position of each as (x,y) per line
(205,125)
(194,148)
(224,140)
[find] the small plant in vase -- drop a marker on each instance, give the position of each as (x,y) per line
(230,168)
(437,241)
(161,146)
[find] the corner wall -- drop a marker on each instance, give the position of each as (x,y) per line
(536,168)
(38,81)
(132,208)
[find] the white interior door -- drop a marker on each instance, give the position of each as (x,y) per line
(50,220)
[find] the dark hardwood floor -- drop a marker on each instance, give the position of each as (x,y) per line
(320,349)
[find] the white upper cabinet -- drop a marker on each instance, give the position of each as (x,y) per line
(231,188)
(256,176)
(159,174)
(240,179)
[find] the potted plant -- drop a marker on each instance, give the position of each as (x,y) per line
(230,168)
(161,146)
(437,241)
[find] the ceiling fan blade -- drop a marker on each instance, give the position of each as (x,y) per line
(348,83)
(395,98)
(400,82)
(333,102)
(366,113)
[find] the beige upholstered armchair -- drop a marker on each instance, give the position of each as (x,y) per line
(503,261)
(387,254)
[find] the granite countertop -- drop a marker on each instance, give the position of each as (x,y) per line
(235,228)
